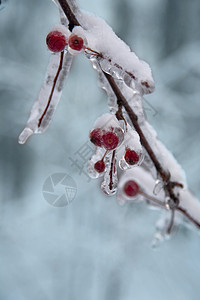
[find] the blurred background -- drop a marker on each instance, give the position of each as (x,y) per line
(93,248)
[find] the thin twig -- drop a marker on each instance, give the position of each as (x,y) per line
(53,88)
(153,199)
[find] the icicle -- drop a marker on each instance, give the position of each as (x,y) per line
(49,96)
(103,83)
(161,233)
(115,71)
(109,184)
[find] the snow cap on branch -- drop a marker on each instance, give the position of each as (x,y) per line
(102,39)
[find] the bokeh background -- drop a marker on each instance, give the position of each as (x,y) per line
(93,248)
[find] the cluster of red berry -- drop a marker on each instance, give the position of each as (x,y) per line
(113,138)
(109,138)
(57,41)
(102,138)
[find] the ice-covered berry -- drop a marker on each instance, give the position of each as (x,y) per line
(131,157)
(131,188)
(110,140)
(56,41)
(99,166)
(76,42)
(95,137)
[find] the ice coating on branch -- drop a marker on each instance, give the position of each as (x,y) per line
(189,205)
(132,139)
(63,19)
(136,103)
(117,57)
(131,174)
(133,96)
(103,83)
(44,107)
(99,152)
(110,181)
(165,157)
(72,4)
(107,132)
(131,142)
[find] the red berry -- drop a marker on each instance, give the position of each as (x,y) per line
(95,137)
(56,41)
(99,166)
(110,140)
(131,188)
(75,42)
(131,157)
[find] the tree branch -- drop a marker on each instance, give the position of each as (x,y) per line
(165,175)
(121,100)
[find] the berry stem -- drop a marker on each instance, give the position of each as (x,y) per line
(153,199)
(104,154)
(53,88)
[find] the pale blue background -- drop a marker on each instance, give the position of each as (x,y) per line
(94,249)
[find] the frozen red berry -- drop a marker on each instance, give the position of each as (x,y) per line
(75,42)
(131,157)
(95,137)
(131,188)
(56,41)
(99,166)
(110,140)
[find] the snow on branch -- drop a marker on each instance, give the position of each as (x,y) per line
(129,159)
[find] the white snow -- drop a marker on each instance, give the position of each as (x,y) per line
(101,38)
